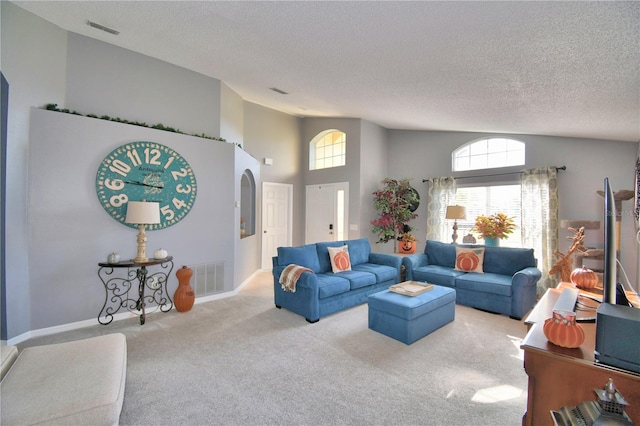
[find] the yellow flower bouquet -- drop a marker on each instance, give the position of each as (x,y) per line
(498,225)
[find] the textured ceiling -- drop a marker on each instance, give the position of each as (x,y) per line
(547,68)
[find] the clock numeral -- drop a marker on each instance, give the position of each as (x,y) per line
(120,167)
(151,156)
(186,189)
(178,203)
(178,174)
(134,157)
(169,161)
(114,185)
(167,212)
(118,200)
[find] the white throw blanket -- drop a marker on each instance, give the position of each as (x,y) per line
(290,275)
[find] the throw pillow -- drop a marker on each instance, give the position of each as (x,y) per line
(340,260)
(469,259)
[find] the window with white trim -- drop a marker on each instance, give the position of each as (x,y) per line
(488,200)
(328,149)
(487,154)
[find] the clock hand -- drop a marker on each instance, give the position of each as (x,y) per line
(143,184)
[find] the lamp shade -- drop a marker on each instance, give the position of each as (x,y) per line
(143,212)
(456,212)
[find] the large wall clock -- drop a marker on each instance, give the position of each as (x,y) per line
(146,171)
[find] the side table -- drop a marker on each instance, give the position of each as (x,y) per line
(117,288)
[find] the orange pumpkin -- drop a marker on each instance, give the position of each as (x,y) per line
(584,278)
(407,247)
(563,330)
(341,259)
(467,261)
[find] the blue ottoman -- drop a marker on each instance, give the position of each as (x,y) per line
(409,318)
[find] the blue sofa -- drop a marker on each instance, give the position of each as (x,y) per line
(322,292)
(506,286)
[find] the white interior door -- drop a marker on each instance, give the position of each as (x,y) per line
(326,212)
(276,219)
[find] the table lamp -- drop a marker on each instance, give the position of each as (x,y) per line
(455,213)
(142,213)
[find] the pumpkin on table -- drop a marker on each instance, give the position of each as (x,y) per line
(584,278)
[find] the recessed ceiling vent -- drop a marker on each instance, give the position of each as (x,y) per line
(103,28)
(275,89)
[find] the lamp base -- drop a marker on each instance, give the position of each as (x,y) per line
(141,256)
(454,236)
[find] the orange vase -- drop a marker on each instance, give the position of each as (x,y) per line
(184,296)
(563,330)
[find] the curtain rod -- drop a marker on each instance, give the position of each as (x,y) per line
(494,174)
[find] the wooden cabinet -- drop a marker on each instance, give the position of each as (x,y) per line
(560,376)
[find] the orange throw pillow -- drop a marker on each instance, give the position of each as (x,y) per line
(340,260)
(469,259)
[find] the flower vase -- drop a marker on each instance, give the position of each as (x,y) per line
(491,242)
(184,296)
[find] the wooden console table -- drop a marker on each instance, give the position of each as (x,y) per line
(559,376)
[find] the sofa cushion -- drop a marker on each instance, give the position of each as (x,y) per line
(469,259)
(442,254)
(72,383)
(358,279)
(331,284)
(507,260)
(439,275)
(322,252)
(339,257)
(381,272)
(303,255)
(8,354)
(359,250)
(485,283)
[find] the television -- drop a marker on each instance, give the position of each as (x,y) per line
(610,276)
(617,323)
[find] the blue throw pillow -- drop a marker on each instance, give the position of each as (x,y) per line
(304,256)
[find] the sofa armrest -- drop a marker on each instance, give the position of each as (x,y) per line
(388,260)
(524,291)
(413,261)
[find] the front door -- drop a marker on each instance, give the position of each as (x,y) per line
(327,212)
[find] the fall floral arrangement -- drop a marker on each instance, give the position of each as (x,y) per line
(498,225)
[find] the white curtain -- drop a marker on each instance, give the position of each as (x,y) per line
(540,219)
(442,193)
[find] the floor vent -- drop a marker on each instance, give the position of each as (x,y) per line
(208,278)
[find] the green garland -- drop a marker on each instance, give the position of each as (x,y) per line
(159,126)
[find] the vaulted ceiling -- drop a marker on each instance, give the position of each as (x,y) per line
(548,68)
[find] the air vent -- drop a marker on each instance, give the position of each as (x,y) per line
(103,28)
(275,89)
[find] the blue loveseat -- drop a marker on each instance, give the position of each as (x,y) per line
(322,292)
(506,286)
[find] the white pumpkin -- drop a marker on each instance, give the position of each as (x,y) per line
(113,258)
(160,254)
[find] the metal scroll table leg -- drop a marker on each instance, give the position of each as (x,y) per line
(142,278)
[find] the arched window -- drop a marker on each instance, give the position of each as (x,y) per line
(247,204)
(327,149)
(487,154)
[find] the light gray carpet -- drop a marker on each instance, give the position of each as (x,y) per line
(241,361)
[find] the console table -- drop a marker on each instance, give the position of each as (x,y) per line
(117,288)
(559,376)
